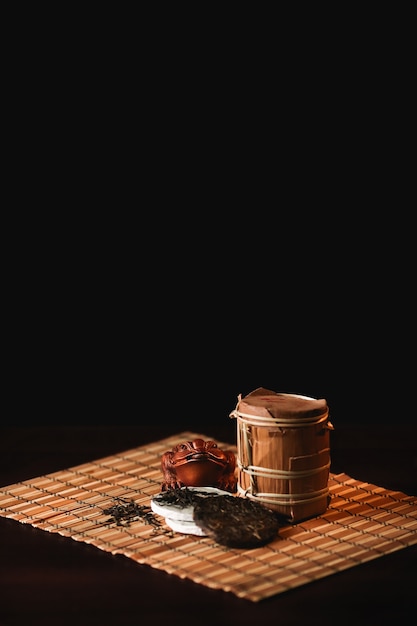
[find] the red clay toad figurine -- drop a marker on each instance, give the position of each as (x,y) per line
(198,463)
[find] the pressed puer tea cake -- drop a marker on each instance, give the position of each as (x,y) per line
(176,505)
(233,521)
(236,522)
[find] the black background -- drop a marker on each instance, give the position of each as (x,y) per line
(212,244)
(184,230)
(125,319)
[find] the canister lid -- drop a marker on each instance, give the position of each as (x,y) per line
(264,403)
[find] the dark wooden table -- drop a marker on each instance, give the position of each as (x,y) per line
(46,579)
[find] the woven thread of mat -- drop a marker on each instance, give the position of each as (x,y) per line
(363,522)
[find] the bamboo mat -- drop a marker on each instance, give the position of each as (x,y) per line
(363,522)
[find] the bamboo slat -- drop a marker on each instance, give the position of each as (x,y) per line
(363,522)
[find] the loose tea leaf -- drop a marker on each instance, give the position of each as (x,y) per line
(125,512)
(182,497)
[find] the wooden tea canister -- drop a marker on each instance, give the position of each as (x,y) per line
(283,452)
